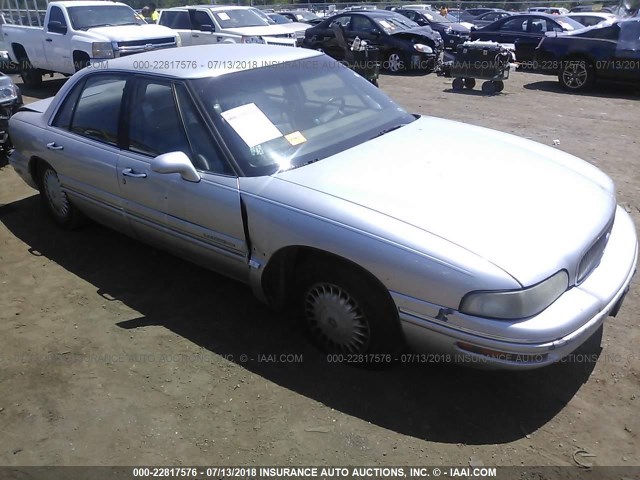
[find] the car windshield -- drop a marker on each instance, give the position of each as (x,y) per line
(395,23)
(292,114)
(239,18)
(85,17)
(305,16)
(568,23)
(435,17)
(279,19)
(461,16)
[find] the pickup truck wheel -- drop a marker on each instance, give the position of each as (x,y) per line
(344,311)
(31,77)
(55,199)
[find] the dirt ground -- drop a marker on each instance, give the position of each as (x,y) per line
(112,353)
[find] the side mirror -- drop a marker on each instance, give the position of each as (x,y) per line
(175,162)
(57,27)
(206,28)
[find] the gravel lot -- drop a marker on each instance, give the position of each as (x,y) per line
(112,353)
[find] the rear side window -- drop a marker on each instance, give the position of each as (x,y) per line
(94,111)
(176,19)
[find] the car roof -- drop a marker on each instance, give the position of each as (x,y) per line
(85,3)
(589,14)
(213,8)
(207,60)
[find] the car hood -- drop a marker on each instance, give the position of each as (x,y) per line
(266,31)
(295,26)
(456,27)
(418,31)
(124,33)
(523,206)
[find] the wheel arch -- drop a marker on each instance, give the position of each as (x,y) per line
(19,52)
(36,164)
(279,276)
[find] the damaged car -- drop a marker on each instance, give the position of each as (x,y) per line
(402,43)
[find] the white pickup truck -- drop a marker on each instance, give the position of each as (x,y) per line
(77,33)
(203,24)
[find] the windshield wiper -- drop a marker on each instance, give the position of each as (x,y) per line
(387,130)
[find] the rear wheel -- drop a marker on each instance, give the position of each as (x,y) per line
(55,199)
(576,75)
(470,83)
(344,311)
(457,84)
(31,77)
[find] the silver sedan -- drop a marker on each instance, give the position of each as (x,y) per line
(283,169)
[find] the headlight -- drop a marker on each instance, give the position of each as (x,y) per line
(8,91)
(252,39)
(419,47)
(102,50)
(515,304)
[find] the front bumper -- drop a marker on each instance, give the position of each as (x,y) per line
(534,342)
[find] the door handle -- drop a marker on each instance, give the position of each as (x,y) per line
(128,172)
(53,146)
(195,35)
(48,40)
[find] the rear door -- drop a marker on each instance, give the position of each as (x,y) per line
(82,145)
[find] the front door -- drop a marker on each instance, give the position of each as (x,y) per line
(201,220)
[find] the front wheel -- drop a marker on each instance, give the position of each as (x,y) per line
(395,63)
(344,311)
(55,199)
(576,75)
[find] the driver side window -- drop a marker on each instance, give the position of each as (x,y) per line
(515,25)
(362,24)
(342,21)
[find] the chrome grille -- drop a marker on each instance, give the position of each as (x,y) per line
(149,41)
(591,259)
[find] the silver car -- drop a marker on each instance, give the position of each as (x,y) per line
(283,169)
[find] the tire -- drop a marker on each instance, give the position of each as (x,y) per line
(31,77)
(488,88)
(394,62)
(576,75)
(55,200)
(469,83)
(498,85)
(457,84)
(344,311)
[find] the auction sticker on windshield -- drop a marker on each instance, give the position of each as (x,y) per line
(251,124)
